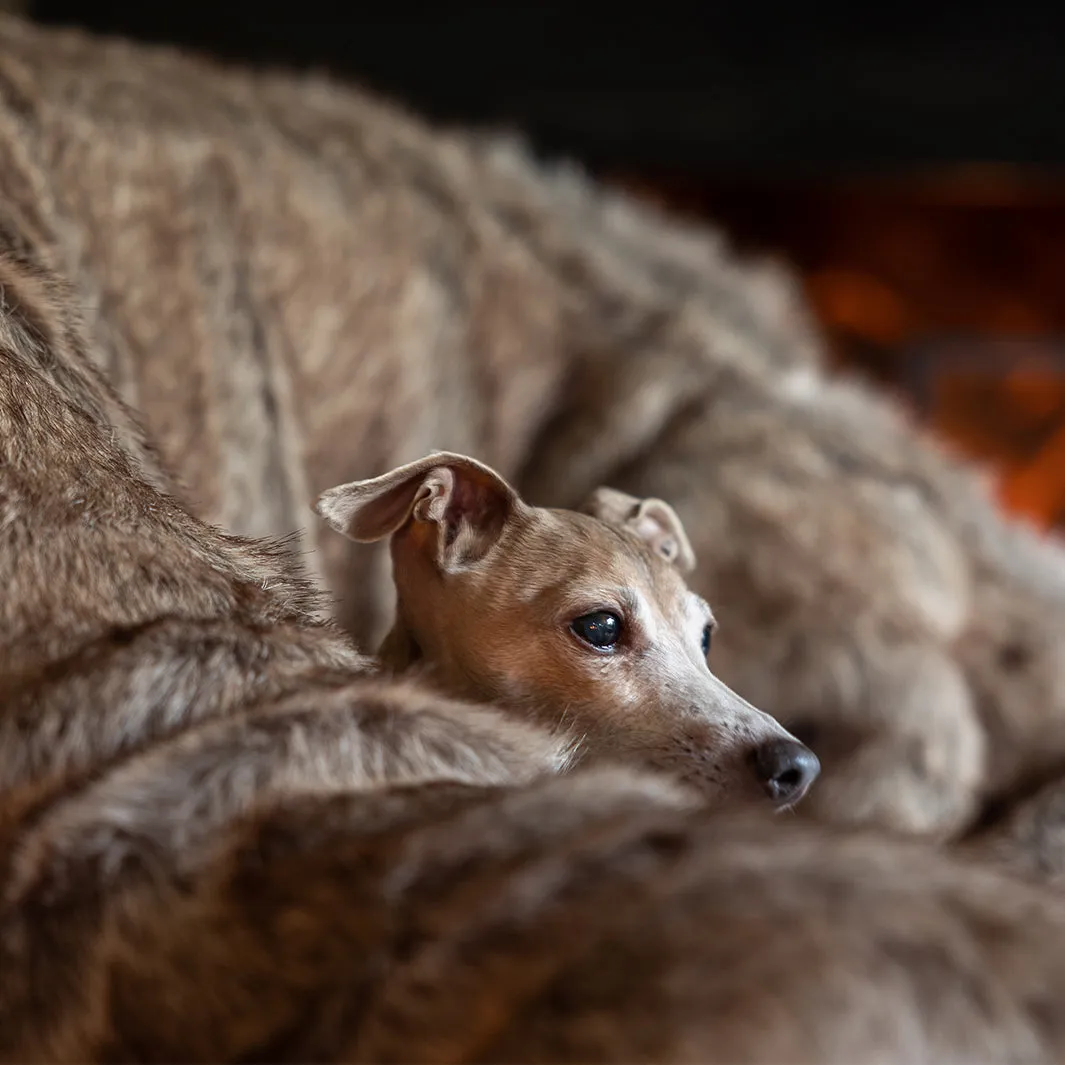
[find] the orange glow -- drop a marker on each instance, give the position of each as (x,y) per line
(908,267)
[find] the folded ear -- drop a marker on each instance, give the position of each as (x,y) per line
(463,502)
(652,520)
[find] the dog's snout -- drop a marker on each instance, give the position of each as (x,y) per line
(785,769)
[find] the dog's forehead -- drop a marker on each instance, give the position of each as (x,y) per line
(602,548)
(598,538)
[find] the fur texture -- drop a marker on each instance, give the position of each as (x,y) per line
(223,838)
(297,286)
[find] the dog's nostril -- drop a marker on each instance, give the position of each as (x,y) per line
(785,769)
(789,780)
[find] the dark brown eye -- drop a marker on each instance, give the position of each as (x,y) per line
(600,629)
(707,633)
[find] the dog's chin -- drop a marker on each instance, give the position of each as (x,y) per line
(740,795)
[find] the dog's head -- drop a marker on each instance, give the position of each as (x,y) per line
(581,619)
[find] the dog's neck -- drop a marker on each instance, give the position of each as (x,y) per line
(399,651)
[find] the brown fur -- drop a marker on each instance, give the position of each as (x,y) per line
(221,841)
(200,865)
(221,837)
(297,287)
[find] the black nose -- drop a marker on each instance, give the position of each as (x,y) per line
(785,769)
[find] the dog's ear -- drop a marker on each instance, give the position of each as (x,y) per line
(462,504)
(652,520)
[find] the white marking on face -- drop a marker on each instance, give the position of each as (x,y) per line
(644,618)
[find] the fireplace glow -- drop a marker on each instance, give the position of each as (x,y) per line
(948,289)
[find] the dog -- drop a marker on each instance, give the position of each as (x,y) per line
(585,611)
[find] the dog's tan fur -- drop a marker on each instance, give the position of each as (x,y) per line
(221,838)
(488,590)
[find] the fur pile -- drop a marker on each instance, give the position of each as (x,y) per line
(223,838)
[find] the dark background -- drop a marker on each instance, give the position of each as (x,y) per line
(732,89)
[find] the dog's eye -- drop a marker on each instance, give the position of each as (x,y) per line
(601,629)
(707,633)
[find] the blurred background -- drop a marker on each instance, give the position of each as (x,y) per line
(907,160)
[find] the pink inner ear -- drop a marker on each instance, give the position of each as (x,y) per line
(479,504)
(473,501)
